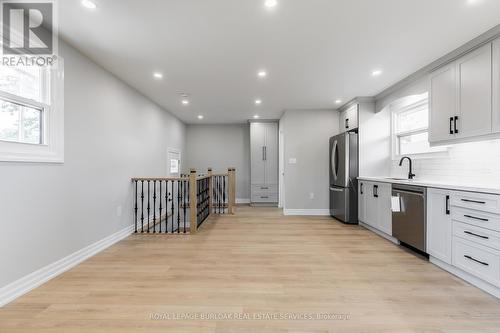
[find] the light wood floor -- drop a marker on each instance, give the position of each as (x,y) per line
(256,262)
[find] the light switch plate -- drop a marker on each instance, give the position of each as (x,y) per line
(292,161)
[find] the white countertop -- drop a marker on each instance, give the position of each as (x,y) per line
(437,184)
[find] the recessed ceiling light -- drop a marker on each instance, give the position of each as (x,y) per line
(474,2)
(158,75)
(338,101)
(271,3)
(89,4)
(200,117)
(185,102)
(256,116)
(376,72)
(258,101)
(262,74)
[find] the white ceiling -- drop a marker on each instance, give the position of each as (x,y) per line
(315,51)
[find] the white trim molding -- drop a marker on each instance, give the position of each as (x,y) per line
(242,201)
(29,282)
(306,212)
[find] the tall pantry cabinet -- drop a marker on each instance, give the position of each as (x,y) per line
(264,162)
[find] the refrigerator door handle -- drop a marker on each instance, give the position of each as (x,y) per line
(335,160)
(336,189)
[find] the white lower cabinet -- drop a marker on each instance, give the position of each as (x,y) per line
(362,186)
(478,260)
(463,231)
(375,205)
(439,230)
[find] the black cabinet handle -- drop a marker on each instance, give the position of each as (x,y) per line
(476,218)
(473,234)
(478,261)
(455,124)
(474,201)
(451,125)
(375,191)
(347,123)
(361,188)
(447,208)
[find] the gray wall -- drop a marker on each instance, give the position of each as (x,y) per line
(220,147)
(112,133)
(306,135)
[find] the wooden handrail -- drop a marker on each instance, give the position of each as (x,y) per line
(158,178)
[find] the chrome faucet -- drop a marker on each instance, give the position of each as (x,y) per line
(411,175)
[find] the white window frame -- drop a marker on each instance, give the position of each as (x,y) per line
(51,150)
(399,107)
(170,153)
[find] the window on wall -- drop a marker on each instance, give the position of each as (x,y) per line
(410,130)
(31,114)
(23,104)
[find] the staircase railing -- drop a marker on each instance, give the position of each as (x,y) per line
(176,205)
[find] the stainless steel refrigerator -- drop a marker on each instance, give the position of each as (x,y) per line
(343,177)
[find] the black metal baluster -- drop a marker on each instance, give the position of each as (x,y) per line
(142,206)
(135,208)
(154,206)
(166,206)
(220,196)
(172,206)
(161,181)
(185,203)
(224,194)
(149,206)
(178,207)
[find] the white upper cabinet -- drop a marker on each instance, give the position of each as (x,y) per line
(439,229)
(496,86)
(461,98)
(349,119)
(475,86)
(443,103)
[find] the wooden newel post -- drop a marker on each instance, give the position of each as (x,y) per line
(210,191)
(193,221)
(231,172)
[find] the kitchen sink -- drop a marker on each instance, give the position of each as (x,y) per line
(395,178)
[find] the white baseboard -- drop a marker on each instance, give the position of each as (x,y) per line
(483,285)
(242,201)
(306,212)
(29,282)
(380,233)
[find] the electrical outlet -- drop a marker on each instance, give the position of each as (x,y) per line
(311,196)
(119,211)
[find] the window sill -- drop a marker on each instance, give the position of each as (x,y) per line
(422,156)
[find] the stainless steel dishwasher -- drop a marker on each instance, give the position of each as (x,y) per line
(409,222)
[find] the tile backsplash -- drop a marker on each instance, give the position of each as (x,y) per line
(476,163)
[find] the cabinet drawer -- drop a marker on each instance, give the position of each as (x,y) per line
(264,188)
(483,202)
(477,260)
(477,218)
(265,198)
(477,235)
